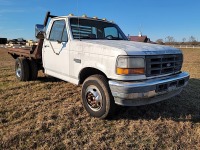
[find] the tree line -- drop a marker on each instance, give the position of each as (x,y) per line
(170,40)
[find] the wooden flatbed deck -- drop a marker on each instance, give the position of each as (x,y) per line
(19,51)
(36,53)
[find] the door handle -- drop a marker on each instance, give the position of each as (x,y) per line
(46,46)
(77,60)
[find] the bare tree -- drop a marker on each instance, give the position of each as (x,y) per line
(184,40)
(170,39)
(193,40)
(160,41)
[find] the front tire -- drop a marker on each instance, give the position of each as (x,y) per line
(97,98)
(22,69)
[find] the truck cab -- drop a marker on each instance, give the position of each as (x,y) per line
(112,70)
(78,43)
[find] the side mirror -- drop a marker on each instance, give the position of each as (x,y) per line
(39,31)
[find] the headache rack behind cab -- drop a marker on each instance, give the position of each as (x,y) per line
(163,64)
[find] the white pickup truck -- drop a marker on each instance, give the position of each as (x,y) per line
(97,54)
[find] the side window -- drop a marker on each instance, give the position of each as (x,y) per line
(58,31)
(111,31)
(64,36)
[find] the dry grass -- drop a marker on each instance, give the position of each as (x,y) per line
(47,114)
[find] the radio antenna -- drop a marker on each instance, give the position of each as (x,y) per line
(79,33)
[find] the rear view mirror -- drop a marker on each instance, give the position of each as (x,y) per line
(39,31)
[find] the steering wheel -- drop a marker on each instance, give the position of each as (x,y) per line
(109,37)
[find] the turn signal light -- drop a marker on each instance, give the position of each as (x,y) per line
(126,71)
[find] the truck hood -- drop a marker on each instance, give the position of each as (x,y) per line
(135,48)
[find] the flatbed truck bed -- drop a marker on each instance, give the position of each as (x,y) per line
(35,52)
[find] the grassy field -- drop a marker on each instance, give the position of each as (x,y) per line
(47,114)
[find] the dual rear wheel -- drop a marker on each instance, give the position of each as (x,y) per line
(25,69)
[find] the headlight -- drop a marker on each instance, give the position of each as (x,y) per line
(127,65)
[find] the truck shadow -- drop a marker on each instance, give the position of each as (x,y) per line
(184,107)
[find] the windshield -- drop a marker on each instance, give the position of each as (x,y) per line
(94,29)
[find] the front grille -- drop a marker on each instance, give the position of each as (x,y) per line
(163,64)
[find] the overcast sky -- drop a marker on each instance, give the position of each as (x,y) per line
(155,18)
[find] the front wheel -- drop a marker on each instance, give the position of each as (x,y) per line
(97,98)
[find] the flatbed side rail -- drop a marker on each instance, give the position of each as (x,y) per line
(16,52)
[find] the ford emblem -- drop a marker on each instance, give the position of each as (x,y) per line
(168,65)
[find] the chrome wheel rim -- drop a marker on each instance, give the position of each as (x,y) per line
(18,70)
(93,98)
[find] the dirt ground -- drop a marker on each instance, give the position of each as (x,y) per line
(47,114)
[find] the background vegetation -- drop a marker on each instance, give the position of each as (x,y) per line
(170,40)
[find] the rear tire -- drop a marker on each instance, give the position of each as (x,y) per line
(97,98)
(22,69)
(33,70)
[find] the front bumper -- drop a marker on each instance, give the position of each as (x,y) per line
(148,91)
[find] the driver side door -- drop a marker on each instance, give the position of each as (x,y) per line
(56,51)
